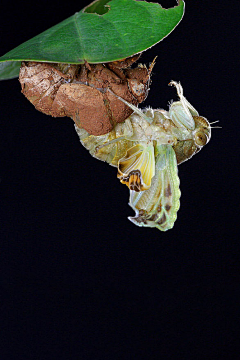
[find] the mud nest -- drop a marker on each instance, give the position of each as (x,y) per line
(81,91)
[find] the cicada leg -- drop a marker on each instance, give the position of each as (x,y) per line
(133,107)
(127,134)
(182,112)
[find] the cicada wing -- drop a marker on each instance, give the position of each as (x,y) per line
(137,168)
(158,206)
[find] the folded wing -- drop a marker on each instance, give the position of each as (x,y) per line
(137,168)
(158,206)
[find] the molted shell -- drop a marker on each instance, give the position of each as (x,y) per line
(80,91)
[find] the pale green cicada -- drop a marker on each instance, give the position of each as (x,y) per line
(146,148)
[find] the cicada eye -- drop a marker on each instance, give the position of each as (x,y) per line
(200,138)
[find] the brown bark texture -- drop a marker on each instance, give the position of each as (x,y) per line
(81,91)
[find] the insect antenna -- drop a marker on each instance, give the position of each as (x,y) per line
(214,122)
(215,127)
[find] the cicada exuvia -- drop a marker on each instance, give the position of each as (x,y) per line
(146,148)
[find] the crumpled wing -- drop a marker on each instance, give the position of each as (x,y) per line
(158,206)
(137,168)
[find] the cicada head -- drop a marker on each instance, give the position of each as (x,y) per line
(200,136)
(202,132)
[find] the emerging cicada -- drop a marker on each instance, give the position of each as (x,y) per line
(146,148)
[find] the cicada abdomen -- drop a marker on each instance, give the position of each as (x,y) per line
(106,147)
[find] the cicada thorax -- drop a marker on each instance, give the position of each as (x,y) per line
(184,150)
(135,132)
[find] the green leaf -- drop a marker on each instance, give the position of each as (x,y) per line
(9,69)
(104,31)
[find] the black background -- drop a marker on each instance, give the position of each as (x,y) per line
(78,280)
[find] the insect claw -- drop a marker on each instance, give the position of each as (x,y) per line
(152,65)
(178,87)
(172,83)
(87,65)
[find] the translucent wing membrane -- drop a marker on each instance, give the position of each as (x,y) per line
(158,206)
(137,167)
